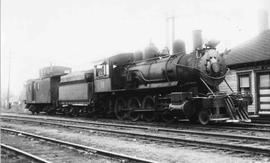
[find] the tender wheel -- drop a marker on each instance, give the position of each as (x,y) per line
(67,111)
(148,105)
(203,117)
(91,112)
(51,110)
(120,109)
(32,108)
(75,112)
(134,104)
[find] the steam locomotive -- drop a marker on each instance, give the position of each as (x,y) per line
(147,85)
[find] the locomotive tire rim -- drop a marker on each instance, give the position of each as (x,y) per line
(134,104)
(203,117)
(119,106)
(149,104)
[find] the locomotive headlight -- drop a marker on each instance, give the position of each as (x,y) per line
(212,59)
(212,66)
(215,67)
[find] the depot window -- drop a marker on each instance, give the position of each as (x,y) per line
(244,83)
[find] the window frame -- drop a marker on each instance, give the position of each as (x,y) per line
(105,67)
(239,74)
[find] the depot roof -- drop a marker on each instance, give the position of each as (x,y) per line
(254,50)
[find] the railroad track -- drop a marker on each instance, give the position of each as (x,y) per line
(116,156)
(255,127)
(261,120)
(27,155)
(224,141)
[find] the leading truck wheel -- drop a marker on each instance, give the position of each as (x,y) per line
(203,117)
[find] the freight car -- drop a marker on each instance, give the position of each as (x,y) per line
(151,85)
(42,93)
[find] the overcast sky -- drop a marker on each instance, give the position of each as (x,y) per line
(37,33)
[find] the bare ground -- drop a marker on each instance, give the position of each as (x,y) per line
(139,148)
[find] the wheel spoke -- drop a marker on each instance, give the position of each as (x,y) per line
(149,105)
(134,104)
(120,109)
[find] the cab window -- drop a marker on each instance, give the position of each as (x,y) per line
(102,70)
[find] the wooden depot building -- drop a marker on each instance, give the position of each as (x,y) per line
(249,65)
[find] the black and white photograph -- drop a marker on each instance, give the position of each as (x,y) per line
(147,81)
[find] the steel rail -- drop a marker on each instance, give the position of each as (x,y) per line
(82,147)
(214,134)
(142,127)
(169,139)
(23,153)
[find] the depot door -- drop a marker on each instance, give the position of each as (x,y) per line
(264,92)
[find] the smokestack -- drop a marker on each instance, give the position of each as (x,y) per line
(263,21)
(197,39)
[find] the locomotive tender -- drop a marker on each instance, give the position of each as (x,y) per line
(149,86)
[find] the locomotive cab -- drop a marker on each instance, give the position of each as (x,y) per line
(102,78)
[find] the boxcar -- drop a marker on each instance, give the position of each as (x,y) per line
(29,88)
(42,93)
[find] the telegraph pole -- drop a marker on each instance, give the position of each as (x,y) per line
(173,28)
(9,72)
(172,18)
